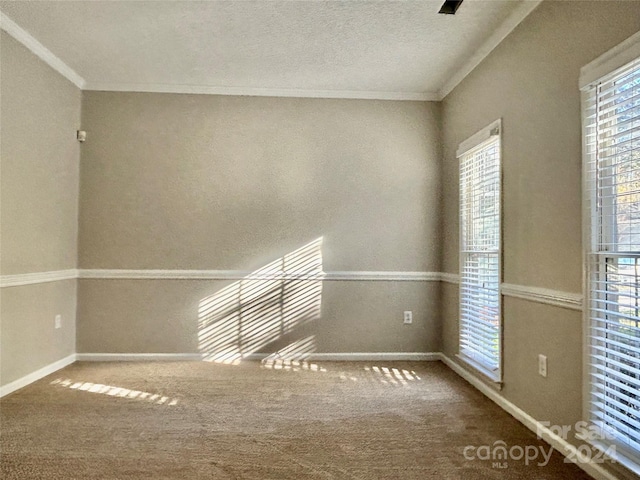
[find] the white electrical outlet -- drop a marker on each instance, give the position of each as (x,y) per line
(542,365)
(58,321)
(408,317)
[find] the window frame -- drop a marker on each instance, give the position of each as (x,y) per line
(603,69)
(473,143)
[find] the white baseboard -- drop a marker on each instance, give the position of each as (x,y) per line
(375,357)
(37,375)
(328,357)
(167,357)
(137,357)
(560,444)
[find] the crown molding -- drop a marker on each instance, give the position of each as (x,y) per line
(261,92)
(42,52)
(505,28)
(37,48)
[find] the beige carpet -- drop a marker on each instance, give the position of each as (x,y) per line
(280,421)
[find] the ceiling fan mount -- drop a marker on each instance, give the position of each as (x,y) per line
(449,7)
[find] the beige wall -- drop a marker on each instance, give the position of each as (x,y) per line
(232,183)
(40,113)
(531,81)
(29,341)
(165,316)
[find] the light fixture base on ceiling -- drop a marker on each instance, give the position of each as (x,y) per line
(449,7)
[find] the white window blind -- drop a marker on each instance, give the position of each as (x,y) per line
(611,117)
(480,247)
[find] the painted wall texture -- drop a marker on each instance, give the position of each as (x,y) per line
(169,181)
(530,81)
(172,181)
(40,112)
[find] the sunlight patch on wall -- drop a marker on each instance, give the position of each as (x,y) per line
(266,305)
(112,391)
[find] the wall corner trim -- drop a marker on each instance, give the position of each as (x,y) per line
(561,445)
(38,49)
(37,375)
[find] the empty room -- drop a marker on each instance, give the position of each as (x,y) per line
(290,239)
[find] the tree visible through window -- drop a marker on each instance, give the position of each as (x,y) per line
(612,154)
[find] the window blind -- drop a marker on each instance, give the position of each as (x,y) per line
(611,116)
(480,324)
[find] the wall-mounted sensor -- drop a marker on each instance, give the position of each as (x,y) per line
(81,135)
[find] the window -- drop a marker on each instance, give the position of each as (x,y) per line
(611,120)
(480,251)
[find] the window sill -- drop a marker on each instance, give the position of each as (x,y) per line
(488,376)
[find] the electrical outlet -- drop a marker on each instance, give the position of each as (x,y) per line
(542,365)
(408,317)
(58,321)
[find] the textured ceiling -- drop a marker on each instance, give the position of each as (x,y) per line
(402,47)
